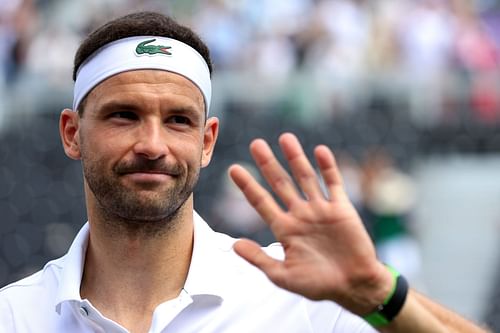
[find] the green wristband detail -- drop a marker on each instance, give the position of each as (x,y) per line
(392,304)
(376,319)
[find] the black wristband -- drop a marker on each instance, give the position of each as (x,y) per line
(385,312)
(395,304)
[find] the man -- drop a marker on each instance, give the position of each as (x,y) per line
(146,262)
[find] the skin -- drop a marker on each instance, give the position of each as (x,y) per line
(143,134)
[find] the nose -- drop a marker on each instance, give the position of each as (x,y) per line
(151,142)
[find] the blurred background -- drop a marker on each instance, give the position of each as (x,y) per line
(406,92)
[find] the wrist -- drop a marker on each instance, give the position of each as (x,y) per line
(368,290)
(375,289)
(383,286)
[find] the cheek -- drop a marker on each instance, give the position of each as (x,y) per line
(190,154)
(100,152)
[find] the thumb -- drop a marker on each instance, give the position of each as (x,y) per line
(253,253)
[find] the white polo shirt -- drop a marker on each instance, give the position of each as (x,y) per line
(223,293)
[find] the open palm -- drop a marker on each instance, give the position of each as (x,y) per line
(328,253)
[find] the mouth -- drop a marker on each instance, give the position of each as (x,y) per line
(148,176)
(147,172)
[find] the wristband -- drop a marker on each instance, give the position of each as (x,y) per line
(393,303)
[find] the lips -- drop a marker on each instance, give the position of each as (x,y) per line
(150,172)
(148,176)
(148,169)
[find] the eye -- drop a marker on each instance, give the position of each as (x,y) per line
(178,120)
(124,115)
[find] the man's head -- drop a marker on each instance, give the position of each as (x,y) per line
(142,133)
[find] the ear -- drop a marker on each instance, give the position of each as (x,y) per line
(209,139)
(69,122)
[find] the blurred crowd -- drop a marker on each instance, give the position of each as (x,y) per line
(318,58)
(431,50)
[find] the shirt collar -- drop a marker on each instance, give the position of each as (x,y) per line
(204,277)
(72,270)
(211,252)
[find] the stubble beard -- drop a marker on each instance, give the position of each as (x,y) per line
(127,209)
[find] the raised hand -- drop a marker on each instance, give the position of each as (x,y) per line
(328,253)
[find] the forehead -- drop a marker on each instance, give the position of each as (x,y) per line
(150,84)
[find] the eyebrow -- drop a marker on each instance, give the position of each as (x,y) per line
(131,106)
(188,110)
(112,105)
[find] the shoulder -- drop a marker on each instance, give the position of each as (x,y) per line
(30,302)
(32,287)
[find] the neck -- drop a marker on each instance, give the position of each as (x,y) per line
(131,268)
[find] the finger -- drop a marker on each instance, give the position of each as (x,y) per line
(302,169)
(330,172)
(256,195)
(253,253)
(274,173)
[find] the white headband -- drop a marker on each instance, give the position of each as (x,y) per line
(142,52)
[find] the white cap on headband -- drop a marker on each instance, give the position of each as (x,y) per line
(142,52)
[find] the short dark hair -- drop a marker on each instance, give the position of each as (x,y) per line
(138,24)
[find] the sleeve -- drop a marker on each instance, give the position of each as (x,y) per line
(349,322)
(329,317)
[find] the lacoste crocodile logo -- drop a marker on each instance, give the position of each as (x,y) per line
(144,48)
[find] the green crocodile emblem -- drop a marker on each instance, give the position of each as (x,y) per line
(143,48)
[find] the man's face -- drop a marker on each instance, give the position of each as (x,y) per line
(142,141)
